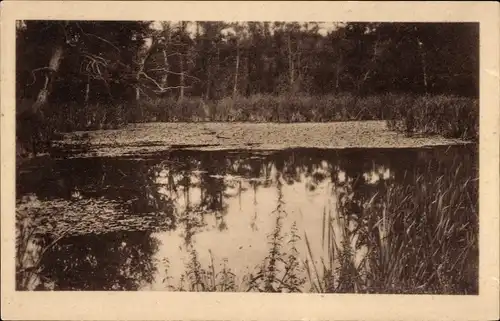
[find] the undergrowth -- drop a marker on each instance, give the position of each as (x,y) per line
(450,116)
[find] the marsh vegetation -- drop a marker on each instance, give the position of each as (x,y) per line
(86,75)
(117,188)
(360,221)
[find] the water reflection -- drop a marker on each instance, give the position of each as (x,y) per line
(213,221)
(115,261)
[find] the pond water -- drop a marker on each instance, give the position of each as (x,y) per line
(211,220)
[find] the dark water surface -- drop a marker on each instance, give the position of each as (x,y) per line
(148,223)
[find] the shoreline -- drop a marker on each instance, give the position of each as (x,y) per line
(145,138)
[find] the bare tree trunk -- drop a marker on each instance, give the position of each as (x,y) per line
(337,74)
(181,84)
(424,66)
(164,80)
(218,60)
(54,63)
(371,66)
(298,74)
(424,63)
(142,59)
(209,79)
(137,93)
(87,91)
(236,71)
(165,56)
(247,74)
(290,62)
(181,65)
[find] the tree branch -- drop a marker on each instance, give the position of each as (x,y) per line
(160,88)
(94,64)
(97,37)
(174,73)
(39,69)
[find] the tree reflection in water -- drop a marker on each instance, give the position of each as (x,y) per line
(117,261)
(208,197)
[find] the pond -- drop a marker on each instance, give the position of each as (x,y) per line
(294,220)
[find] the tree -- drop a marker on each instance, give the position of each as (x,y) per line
(74,52)
(113,64)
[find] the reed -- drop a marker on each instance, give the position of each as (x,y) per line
(449,116)
(421,237)
(428,236)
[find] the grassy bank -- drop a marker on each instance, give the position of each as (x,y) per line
(452,117)
(449,116)
(267,108)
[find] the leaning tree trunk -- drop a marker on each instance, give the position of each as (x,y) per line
(33,132)
(142,58)
(53,68)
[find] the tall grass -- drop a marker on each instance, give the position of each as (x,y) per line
(450,116)
(421,237)
(431,228)
(339,271)
(264,108)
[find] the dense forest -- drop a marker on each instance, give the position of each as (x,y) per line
(91,74)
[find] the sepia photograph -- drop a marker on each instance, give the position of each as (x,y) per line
(247,156)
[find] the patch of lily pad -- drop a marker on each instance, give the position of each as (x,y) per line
(152,138)
(86,216)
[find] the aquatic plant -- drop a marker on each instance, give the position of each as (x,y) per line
(30,247)
(429,230)
(420,237)
(197,278)
(413,231)
(449,116)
